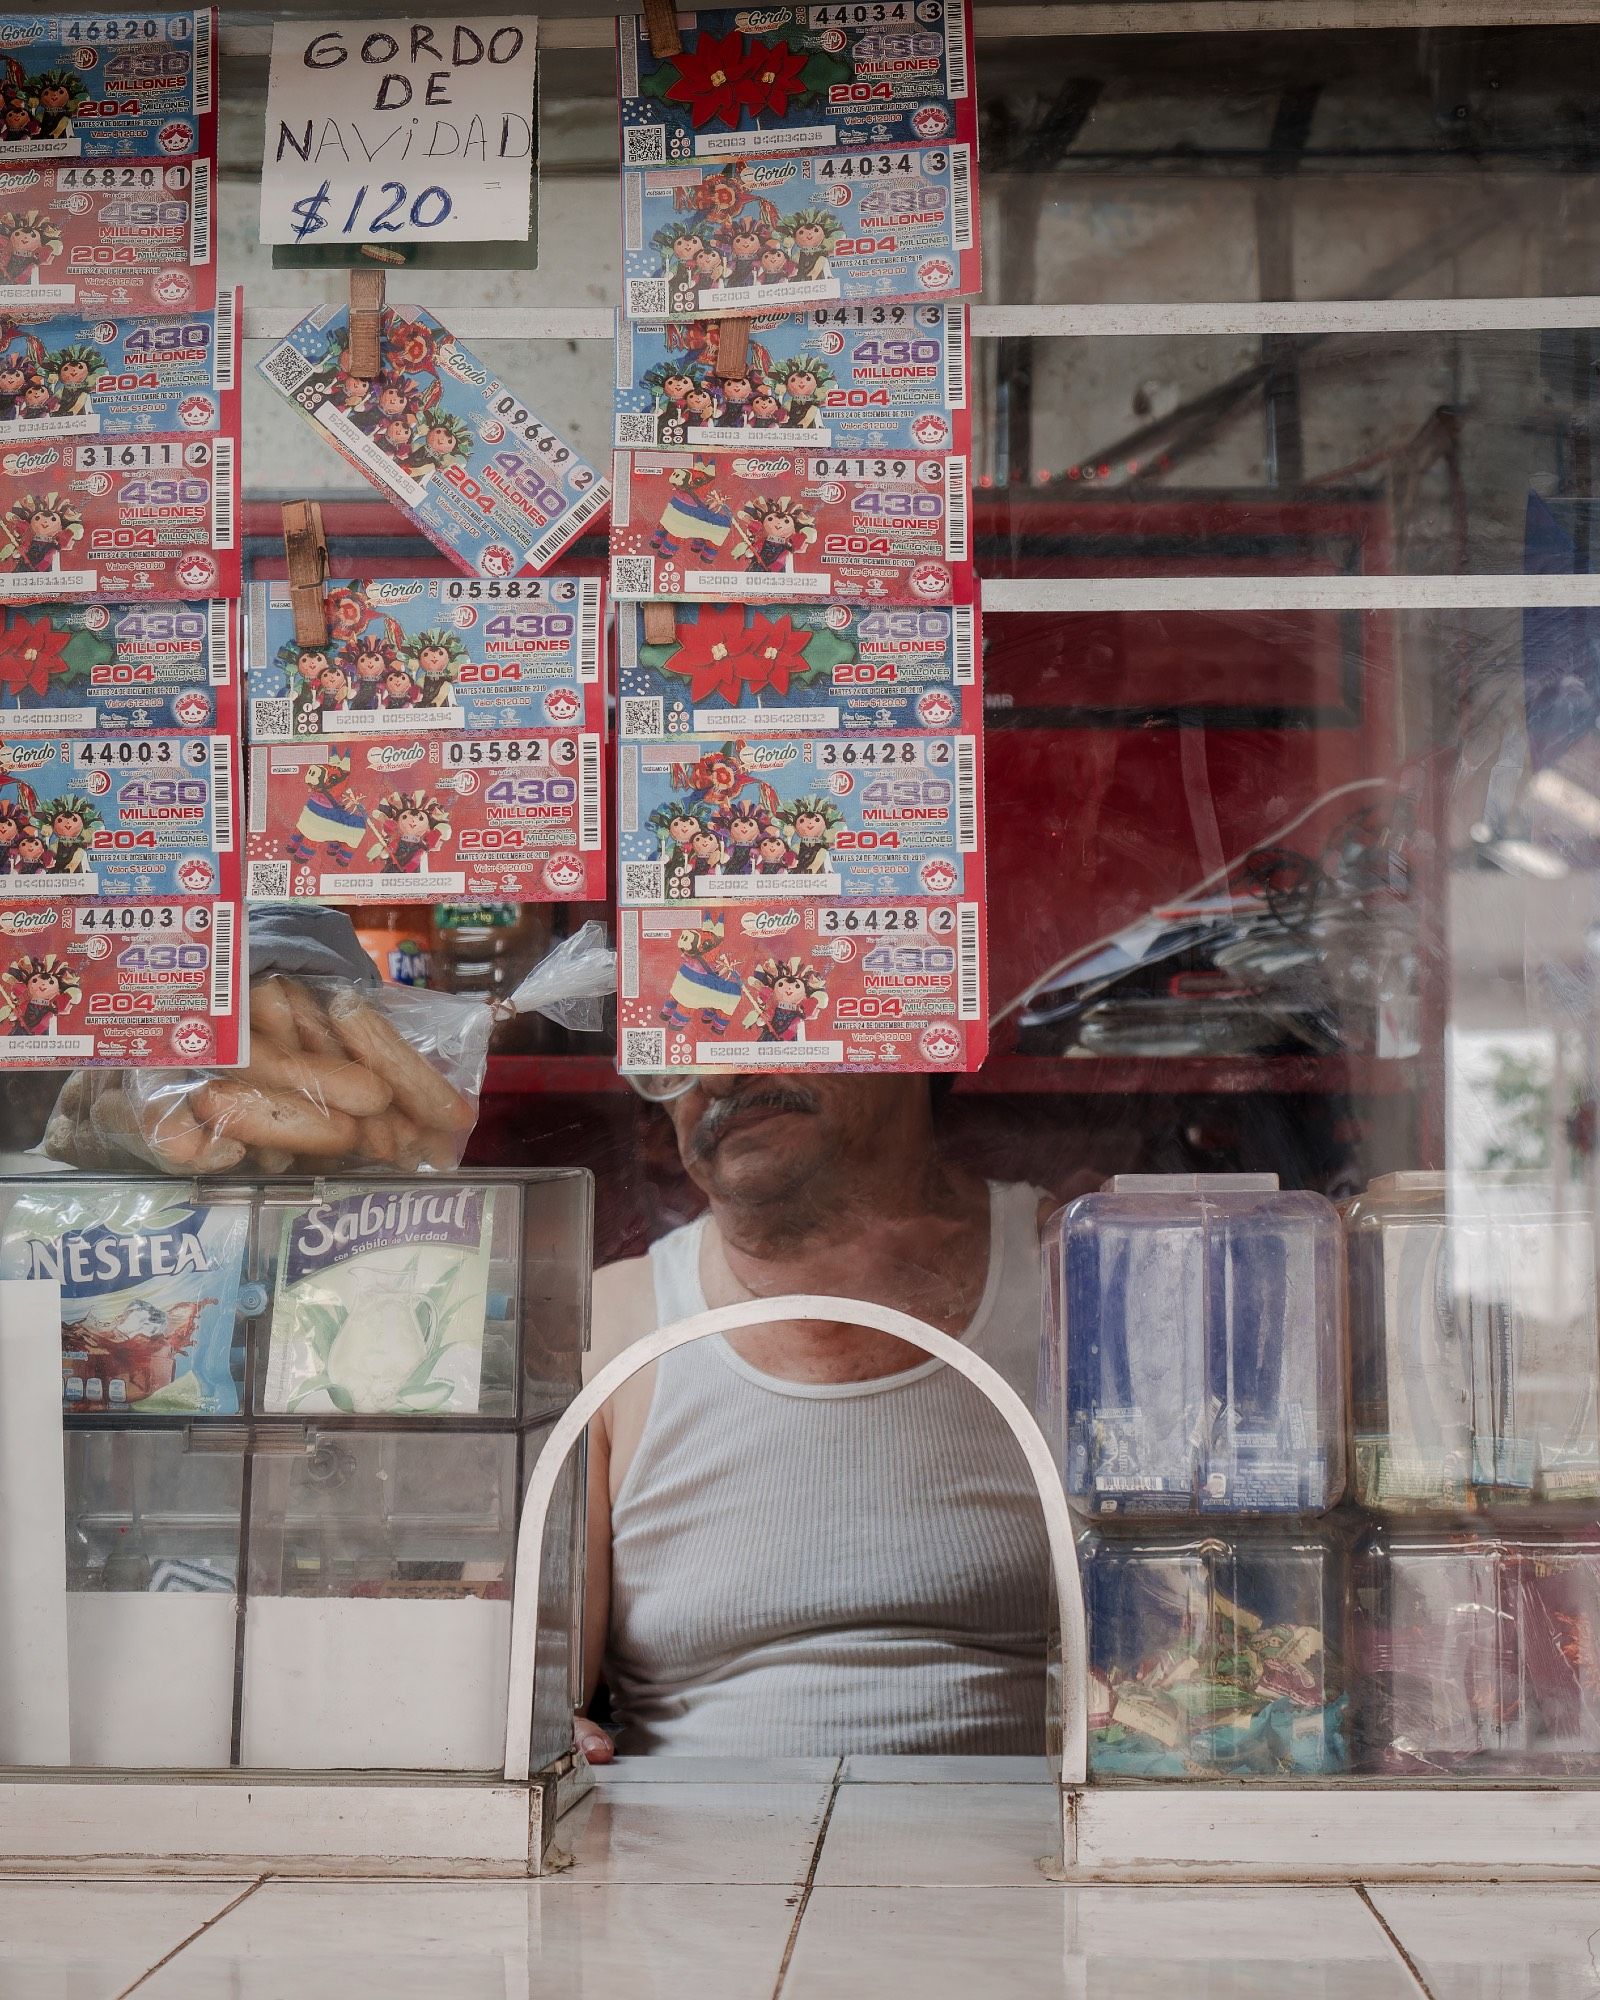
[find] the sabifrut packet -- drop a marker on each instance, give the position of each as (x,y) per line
(408,656)
(834,816)
(784,669)
(898,222)
(110,669)
(149,1292)
(131,236)
(789,984)
(108,86)
(427,819)
(847,378)
(484,478)
(121,377)
(120,985)
(116,816)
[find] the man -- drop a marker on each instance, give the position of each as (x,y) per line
(808,1539)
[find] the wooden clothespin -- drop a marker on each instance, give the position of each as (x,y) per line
(660,626)
(306,546)
(366,321)
(733,347)
(661,26)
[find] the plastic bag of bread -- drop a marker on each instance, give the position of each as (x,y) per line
(341,1074)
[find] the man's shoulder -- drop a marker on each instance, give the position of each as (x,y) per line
(624,1309)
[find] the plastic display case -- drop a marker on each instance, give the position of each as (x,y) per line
(1193,1359)
(1475,1354)
(1216,1656)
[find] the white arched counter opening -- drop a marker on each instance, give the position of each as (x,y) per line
(1070,1682)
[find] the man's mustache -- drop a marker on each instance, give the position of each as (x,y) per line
(725,1112)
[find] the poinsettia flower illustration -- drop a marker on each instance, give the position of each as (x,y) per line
(31,651)
(775,76)
(410,345)
(777,651)
(711,76)
(713,653)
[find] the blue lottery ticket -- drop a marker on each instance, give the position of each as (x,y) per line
(120,377)
(111,668)
(108,86)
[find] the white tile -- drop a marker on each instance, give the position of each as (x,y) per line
(662,1770)
(1129,1942)
(693,1833)
(1500,1942)
(90,1940)
(967,1835)
(869,1769)
(484,1941)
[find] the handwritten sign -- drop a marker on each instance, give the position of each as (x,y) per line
(400,132)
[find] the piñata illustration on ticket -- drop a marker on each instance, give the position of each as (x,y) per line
(787,79)
(788,984)
(139,236)
(845,817)
(119,520)
(847,378)
(776,524)
(421,819)
(107,669)
(487,481)
(108,86)
(900,223)
(116,816)
(740,669)
(408,655)
(125,985)
(121,378)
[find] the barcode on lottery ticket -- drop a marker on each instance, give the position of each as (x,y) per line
(271,721)
(222,493)
(969,985)
(644,1048)
(966,794)
(955,48)
(222,959)
(963,637)
(589,834)
(644,882)
(200,212)
(633,237)
(643,716)
(219,633)
(222,794)
(635,427)
(633,576)
(256,793)
(644,146)
(203,19)
(647,298)
(955,510)
(956,356)
(268,882)
(961,197)
(589,628)
(226,303)
(288,368)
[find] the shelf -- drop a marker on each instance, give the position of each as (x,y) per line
(1357,1076)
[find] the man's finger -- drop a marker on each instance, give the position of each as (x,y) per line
(592,1740)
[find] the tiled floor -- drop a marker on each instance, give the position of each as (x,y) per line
(804,1881)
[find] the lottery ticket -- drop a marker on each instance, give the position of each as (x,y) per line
(850,378)
(412,655)
(139,236)
(419,820)
(119,520)
(739,669)
(127,985)
(776,525)
(788,984)
(121,378)
(108,86)
(897,223)
(487,481)
(116,816)
(115,668)
(792,78)
(845,817)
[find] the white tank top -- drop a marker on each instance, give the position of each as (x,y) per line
(807,1569)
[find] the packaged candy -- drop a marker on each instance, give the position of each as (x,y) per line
(118,668)
(380,1302)
(779,525)
(122,377)
(1219,1658)
(487,481)
(1474,1350)
(837,816)
(797,985)
(898,223)
(846,378)
(149,1292)
(144,518)
(418,820)
(97,87)
(784,669)
(1194,1358)
(793,78)
(412,655)
(1480,1653)
(116,816)
(139,236)
(126,985)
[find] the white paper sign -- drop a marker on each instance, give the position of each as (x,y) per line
(400,131)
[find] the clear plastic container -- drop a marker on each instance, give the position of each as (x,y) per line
(1479,1653)
(1194,1348)
(1475,1355)
(1217,1655)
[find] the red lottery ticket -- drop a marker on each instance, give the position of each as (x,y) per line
(107,238)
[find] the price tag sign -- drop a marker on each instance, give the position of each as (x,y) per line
(394,133)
